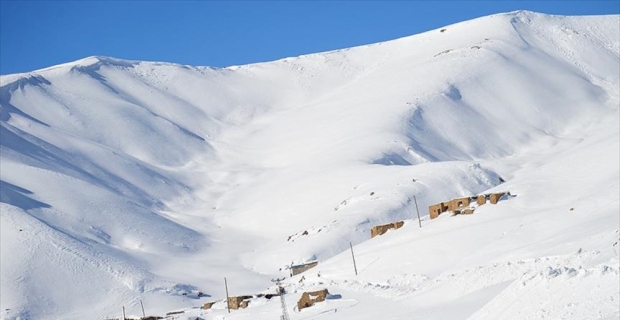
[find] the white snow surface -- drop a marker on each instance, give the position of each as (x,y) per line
(129,181)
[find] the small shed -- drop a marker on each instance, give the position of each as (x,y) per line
(459,203)
(379,230)
(435,210)
(308,299)
(297,269)
(208,305)
(494,197)
(240,302)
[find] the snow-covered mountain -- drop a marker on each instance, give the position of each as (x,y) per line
(129,181)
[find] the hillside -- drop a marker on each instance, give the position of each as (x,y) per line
(125,180)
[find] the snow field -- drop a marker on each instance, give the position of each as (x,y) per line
(125,180)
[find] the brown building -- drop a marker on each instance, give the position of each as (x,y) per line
(207,305)
(238,302)
(308,299)
(295,270)
(494,197)
(379,230)
(459,205)
(435,210)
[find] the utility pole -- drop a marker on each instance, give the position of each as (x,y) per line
(282,292)
(353,255)
(143,314)
(227,300)
(416,209)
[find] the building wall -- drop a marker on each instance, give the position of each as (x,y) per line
(458,203)
(379,230)
(295,270)
(238,302)
(435,210)
(207,305)
(494,198)
(308,299)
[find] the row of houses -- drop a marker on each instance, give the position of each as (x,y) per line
(456,206)
(462,205)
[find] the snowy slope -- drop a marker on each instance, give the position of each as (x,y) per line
(124,181)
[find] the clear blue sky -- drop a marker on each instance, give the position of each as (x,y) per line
(39,34)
